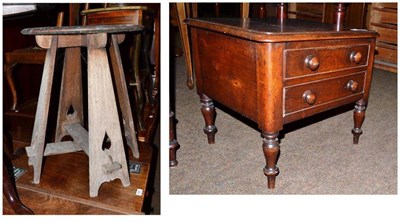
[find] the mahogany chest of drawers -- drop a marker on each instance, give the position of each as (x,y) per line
(383,19)
(275,71)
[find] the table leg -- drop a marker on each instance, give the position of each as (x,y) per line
(137,85)
(107,160)
(156,44)
(122,91)
(271,150)
(208,111)
(359,115)
(8,71)
(173,143)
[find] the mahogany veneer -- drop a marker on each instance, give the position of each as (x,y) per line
(276,71)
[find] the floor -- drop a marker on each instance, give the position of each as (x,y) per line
(64,181)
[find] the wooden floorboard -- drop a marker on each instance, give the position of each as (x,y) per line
(64,185)
(44,204)
(65,182)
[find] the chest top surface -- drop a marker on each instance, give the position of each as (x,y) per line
(275,30)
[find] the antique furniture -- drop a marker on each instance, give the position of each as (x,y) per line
(183,11)
(355,16)
(144,83)
(186,10)
(30,55)
(275,71)
(383,19)
(103,142)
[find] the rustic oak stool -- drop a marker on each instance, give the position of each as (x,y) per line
(103,142)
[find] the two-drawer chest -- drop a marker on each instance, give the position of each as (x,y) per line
(275,71)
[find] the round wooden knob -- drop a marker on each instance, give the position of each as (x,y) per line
(309,97)
(355,57)
(312,62)
(352,86)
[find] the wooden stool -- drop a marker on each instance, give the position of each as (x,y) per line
(103,143)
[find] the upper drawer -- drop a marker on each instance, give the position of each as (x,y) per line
(305,61)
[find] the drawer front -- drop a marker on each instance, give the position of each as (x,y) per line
(308,61)
(313,94)
(386,17)
(316,8)
(386,35)
(386,54)
(385,5)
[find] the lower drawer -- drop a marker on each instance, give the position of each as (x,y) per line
(386,54)
(322,94)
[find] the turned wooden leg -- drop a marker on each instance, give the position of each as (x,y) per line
(156,50)
(173,143)
(359,115)
(271,151)
(208,111)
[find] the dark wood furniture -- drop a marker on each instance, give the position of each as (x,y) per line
(383,19)
(9,188)
(275,71)
(30,55)
(355,16)
(173,143)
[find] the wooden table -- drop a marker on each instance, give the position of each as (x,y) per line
(276,71)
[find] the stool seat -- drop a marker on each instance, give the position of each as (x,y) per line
(88,29)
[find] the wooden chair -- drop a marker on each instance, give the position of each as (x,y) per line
(30,55)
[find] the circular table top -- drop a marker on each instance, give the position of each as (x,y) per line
(88,29)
